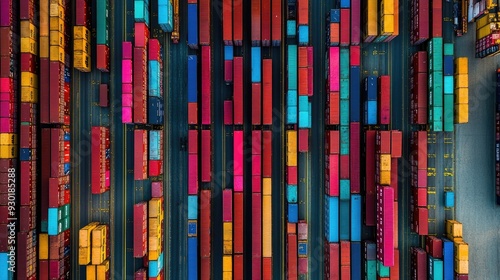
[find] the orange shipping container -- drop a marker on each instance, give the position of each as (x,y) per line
(303,81)
(334,33)
(302,57)
(303,12)
(267,268)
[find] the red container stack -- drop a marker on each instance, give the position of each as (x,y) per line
(385,224)
(101,154)
(81,47)
(332,163)
(370,177)
(205,233)
(256,103)
(332,260)
(418,88)
(418,263)
(418,202)
(227,22)
(156,153)
(206,156)
(419,24)
(437,19)
(127,86)
(238,23)
(266,22)
(140,229)
(256,202)
(384,99)
(140,154)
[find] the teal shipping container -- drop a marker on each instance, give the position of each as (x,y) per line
(141,11)
(449,199)
(448,49)
(344,139)
(102,20)
(344,63)
(371,270)
(310,114)
(345,189)
(154,78)
(448,85)
(436,89)
(192,207)
(344,88)
(382,271)
(448,113)
(291,193)
(344,112)
(292,67)
(292,98)
(291,115)
(436,61)
(435,268)
(331,219)
(291,28)
(344,228)
(304,120)
(303,103)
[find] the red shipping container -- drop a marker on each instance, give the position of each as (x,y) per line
(228,71)
(418,263)
(345,272)
(437,19)
(140,229)
(238,22)
(397,143)
(421,221)
(103,95)
(140,154)
(345,28)
(302,265)
(267,153)
(28,10)
(276,22)
(82,13)
(227,22)
(256,233)
(385,226)
(44,174)
(332,184)
(205,223)
(434,247)
(345,253)
(102,60)
(394,270)
(461,276)
(228,112)
(206,84)
(395,177)
(256,142)
(332,142)
(206,156)
(291,175)
(303,140)
(384,104)
(193,174)
(383,142)
(154,50)
(256,103)
(292,256)
(205,268)
(420,197)
(193,113)
(238,152)
(55,93)
(157,189)
(141,34)
(355,157)
(355,22)
(333,105)
(193,141)
(370,179)
(237,266)
(227,205)
(303,75)
(332,260)
(355,54)
(238,224)
(238,89)
(267,269)
(344,166)
(266,22)
(267,91)
(28,63)
(255,22)
(303,12)
(419,60)
(256,184)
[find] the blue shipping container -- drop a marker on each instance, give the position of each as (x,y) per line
(291,28)
(192,84)
(154,145)
(355,261)
(371,88)
(354,94)
(155,110)
(304,120)
(256,65)
(345,4)
(344,220)
(355,217)
(448,269)
(448,65)
(4,267)
(293,213)
(292,98)
(303,103)
(303,35)
(192,228)
(345,189)
(192,28)
(302,248)
(435,268)
(332,218)
(192,258)
(25,154)
(370,250)
(291,193)
(155,267)
(228,53)
(448,84)
(370,112)
(165,17)
(192,207)
(335,15)
(53,221)
(449,199)
(291,115)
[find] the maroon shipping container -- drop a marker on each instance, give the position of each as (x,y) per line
(419,24)
(256,233)
(238,22)
(140,229)
(345,28)
(227,205)
(332,142)
(255,23)
(140,154)
(370,178)
(256,104)
(419,61)
(434,247)
(385,225)
(28,63)
(461,276)
(266,22)
(384,104)
(267,153)
(205,268)
(355,157)
(276,22)
(355,22)
(238,224)
(256,183)
(292,265)
(44,174)
(344,166)
(397,143)
(383,142)
(302,265)
(56,92)
(303,140)
(333,111)
(418,264)
(83,16)
(102,60)
(141,274)
(103,95)
(228,71)
(154,50)
(332,260)
(267,92)
(420,224)
(256,142)
(205,222)
(193,141)
(193,174)
(206,156)
(228,112)
(206,84)
(238,90)
(291,176)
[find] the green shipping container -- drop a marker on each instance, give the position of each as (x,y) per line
(344,63)
(382,271)
(436,89)
(344,139)
(345,189)
(344,89)
(292,67)
(436,62)
(448,49)
(102,22)
(371,270)
(435,45)
(344,112)
(437,122)
(448,113)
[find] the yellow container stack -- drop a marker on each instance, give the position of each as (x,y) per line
(155,230)
(93,250)
(55,36)
(461,90)
(454,231)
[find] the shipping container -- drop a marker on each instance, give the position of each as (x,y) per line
(140,154)
(238,91)
(205,225)
(206,84)
(384,99)
(355,157)
(370,177)
(276,22)
(257,233)
(385,225)
(292,262)
(192,22)
(448,259)
(255,13)
(227,22)
(256,103)
(267,92)
(238,224)
(204,22)
(206,156)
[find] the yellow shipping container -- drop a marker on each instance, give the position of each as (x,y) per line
(453,229)
(56,24)
(461,80)
(385,178)
(44,46)
(8,139)
(56,39)
(56,10)
(462,96)
(291,141)
(482,21)
(81,32)
(385,162)
(84,234)
(8,151)
(461,113)
(371,18)
(28,30)
(99,236)
(98,254)
(267,227)
(227,247)
(153,255)
(483,32)
(81,45)
(29,79)
(60,2)
(387,7)
(153,243)
(387,25)
(226,275)
(266,186)
(29,94)
(43,246)
(291,159)
(29,46)
(102,269)
(461,251)
(396,18)
(84,255)
(56,54)
(228,231)
(154,228)
(91,272)
(44,18)
(227,263)
(462,267)
(461,65)
(154,207)
(81,62)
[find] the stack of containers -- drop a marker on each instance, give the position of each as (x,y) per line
(127,86)
(292,96)
(333,27)
(140,229)
(155,97)
(256,202)
(84,244)
(386,23)
(333,87)
(418,88)
(487,35)
(227,22)
(206,85)
(99,245)
(384,99)
(267,93)
(448,259)
(227,227)
(418,203)
(192,89)
(454,231)
(204,21)
(305,81)
(434,249)
(395,32)
(448,87)
(166,14)
(370,259)
(101,155)
(381,21)
(267,222)
(497,139)
(370,100)
(371,21)
(332,249)
(396,153)
(192,22)
(102,40)
(266,22)
(155,153)
(302,247)
(228,64)
(192,191)
(238,223)
(81,45)
(370,177)
(435,51)
(205,232)
(255,14)
(461,90)
(419,24)
(155,235)
(276,22)
(140,154)
(238,24)
(303,22)
(293,212)
(418,263)
(140,73)
(256,86)
(26,236)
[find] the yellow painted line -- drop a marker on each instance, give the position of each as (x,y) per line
(431,192)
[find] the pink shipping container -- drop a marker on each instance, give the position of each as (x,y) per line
(256,233)
(238,183)
(192,141)
(355,157)
(332,182)
(302,265)
(140,229)
(228,71)
(334,69)
(141,274)
(127,71)
(238,152)
(227,205)
(157,189)
(345,29)
(238,90)
(355,55)
(206,85)
(302,230)
(303,140)
(256,184)
(370,179)
(385,225)
(141,35)
(228,112)
(206,156)
(384,104)
(192,174)
(419,197)
(154,50)
(127,114)
(355,22)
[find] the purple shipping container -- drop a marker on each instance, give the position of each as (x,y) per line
(228,71)
(302,265)
(157,189)
(302,230)
(6,13)
(334,69)
(193,174)
(127,50)
(227,205)
(238,153)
